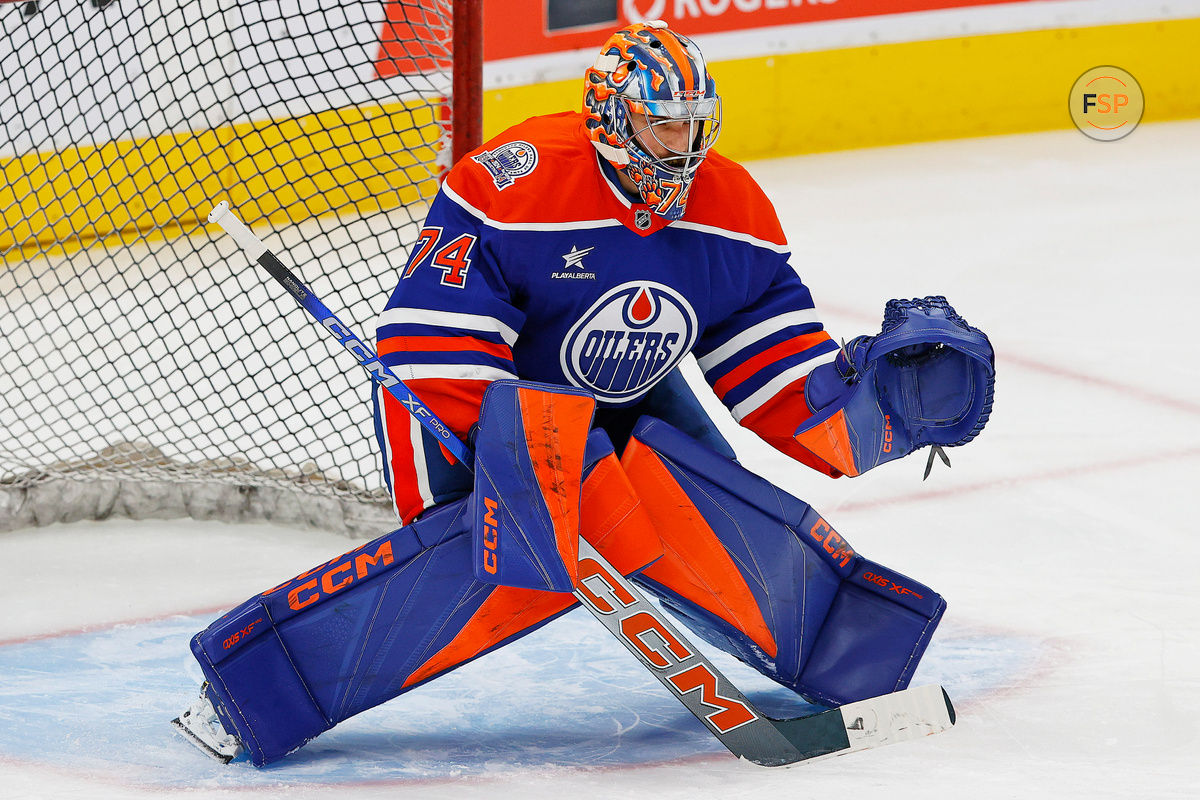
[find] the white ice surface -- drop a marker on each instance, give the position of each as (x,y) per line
(1063,538)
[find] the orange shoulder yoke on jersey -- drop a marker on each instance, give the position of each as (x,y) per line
(725,196)
(566,185)
(561,187)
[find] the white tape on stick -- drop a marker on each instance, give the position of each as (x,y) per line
(251,244)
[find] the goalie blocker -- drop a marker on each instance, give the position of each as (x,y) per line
(751,569)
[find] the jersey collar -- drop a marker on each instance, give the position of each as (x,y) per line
(632,213)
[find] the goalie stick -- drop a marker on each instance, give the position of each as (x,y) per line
(641,626)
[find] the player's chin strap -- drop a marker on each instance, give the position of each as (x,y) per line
(640,625)
(926,380)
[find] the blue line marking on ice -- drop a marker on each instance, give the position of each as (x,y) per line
(568,695)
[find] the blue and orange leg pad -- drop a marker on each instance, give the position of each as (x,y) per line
(529,461)
(762,575)
(400,610)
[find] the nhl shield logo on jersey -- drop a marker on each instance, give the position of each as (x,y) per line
(628,340)
(508,162)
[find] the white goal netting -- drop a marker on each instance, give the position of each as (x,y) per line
(147,369)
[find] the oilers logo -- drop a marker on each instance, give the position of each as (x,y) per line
(628,340)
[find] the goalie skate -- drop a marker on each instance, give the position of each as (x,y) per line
(200,725)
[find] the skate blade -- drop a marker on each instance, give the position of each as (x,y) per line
(200,743)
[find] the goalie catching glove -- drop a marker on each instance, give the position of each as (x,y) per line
(927,379)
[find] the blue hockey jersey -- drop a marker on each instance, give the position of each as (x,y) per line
(534,263)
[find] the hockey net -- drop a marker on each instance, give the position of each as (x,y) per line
(147,369)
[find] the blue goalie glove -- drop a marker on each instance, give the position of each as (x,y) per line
(927,379)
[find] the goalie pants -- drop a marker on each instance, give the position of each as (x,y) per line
(744,565)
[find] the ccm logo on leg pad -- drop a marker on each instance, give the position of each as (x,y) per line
(355,565)
(491,536)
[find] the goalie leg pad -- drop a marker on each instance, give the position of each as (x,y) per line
(762,575)
(529,458)
(403,609)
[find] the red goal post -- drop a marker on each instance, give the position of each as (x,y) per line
(141,373)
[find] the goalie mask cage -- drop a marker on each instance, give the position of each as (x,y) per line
(147,369)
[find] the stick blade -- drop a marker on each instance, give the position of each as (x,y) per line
(898,717)
(875,722)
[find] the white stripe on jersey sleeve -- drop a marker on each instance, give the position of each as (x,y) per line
(754,333)
(387,449)
(773,387)
(782,249)
(446,319)
(583,224)
(419,464)
(461,372)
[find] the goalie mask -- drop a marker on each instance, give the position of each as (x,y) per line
(652,111)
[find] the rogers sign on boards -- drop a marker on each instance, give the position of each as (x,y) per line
(522,28)
(684,9)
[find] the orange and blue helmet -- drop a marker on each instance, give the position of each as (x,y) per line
(653,111)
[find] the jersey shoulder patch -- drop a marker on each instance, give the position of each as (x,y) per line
(542,170)
(508,163)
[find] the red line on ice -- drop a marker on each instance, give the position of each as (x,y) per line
(104,626)
(1000,483)
(1129,390)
